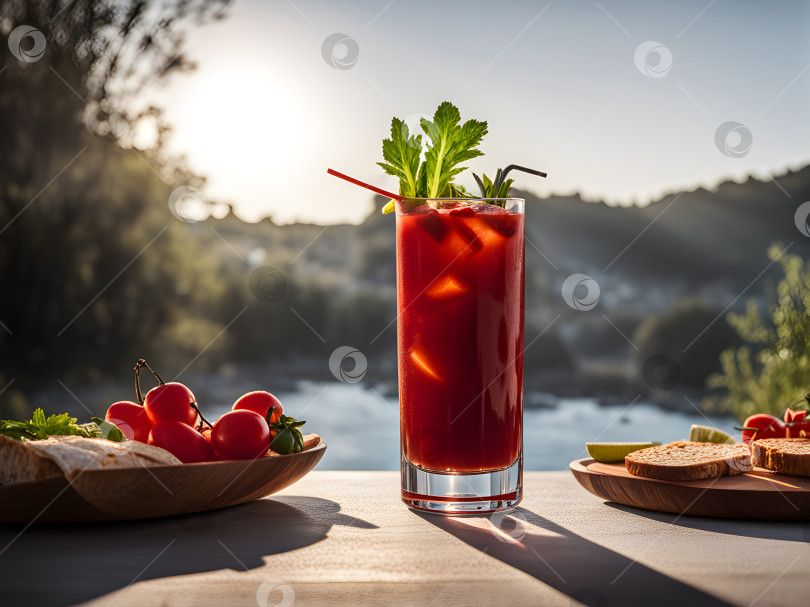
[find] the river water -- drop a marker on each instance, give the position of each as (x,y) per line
(361,427)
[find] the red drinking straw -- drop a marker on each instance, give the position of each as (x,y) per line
(365,185)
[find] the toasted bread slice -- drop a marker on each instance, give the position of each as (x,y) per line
(688,461)
(783,455)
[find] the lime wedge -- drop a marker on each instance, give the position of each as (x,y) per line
(609,453)
(707,434)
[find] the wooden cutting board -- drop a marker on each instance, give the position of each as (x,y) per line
(758,494)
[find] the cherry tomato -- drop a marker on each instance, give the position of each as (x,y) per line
(798,425)
(799,429)
(260,402)
(206,433)
(131,419)
(182,441)
(241,434)
(764,426)
(170,402)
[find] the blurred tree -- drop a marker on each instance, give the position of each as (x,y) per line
(548,353)
(772,370)
(99,57)
(669,334)
(596,338)
(95,268)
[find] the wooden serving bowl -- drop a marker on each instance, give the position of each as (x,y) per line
(155,491)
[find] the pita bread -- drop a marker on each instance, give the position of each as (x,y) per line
(19,464)
(34,460)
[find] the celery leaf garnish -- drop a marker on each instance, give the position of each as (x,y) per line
(451,144)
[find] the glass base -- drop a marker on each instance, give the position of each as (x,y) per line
(460,493)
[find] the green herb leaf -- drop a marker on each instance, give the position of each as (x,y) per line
(401,153)
(17,430)
(450,145)
(104,429)
(288,438)
(499,188)
(41,427)
(268,417)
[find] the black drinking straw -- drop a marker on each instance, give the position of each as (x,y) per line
(500,178)
(524,169)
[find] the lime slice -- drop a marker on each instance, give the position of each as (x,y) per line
(707,434)
(609,453)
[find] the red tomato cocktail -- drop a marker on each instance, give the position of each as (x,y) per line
(460,291)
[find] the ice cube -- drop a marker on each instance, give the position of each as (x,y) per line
(421,362)
(463,229)
(446,205)
(482,208)
(462,212)
(446,287)
(503,223)
(422,209)
(432,223)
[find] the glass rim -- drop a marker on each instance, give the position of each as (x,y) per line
(474,199)
(406,206)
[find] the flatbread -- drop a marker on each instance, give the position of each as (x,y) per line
(34,460)
(19,464)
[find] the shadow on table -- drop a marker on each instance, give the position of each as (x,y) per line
(788,531)
(585,571)
(68,564)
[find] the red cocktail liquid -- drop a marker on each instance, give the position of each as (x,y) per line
(460,334)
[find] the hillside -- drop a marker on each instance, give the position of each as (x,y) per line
(703,242)
(704,247)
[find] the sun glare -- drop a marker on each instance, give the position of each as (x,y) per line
(240,127)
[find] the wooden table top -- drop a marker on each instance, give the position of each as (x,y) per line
(345,538)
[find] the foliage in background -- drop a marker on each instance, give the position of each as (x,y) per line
(93,265)
(772,370)
(677,329)
(96,270)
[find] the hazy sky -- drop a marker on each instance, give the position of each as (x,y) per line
(566,86)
